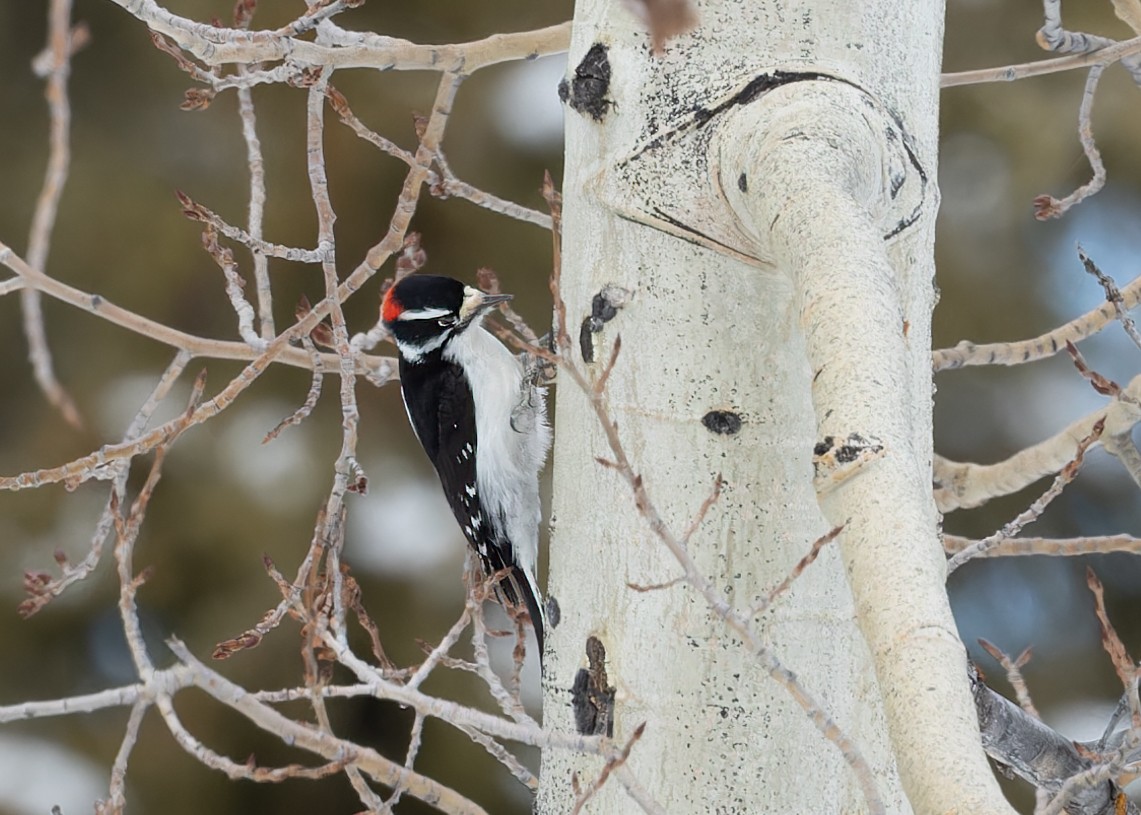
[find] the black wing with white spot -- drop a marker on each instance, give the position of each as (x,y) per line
(439,404)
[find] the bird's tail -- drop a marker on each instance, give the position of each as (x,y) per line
(522,582)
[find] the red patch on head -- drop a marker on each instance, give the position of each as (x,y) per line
(391,308)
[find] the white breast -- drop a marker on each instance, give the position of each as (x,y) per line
(508,459)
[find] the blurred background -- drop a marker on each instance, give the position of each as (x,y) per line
(225,499)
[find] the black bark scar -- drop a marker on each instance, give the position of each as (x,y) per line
(592,698)
(722,422)
(602,311)
(586,91)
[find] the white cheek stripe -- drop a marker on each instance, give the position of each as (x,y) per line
(423,314)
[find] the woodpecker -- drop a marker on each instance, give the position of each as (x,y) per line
(481,420)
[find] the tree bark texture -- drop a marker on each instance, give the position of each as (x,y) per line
(765,192)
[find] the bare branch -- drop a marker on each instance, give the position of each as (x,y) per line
(440,651)
(291,597)
(961,485)
(46,590)
(47,206)
(1054,37)
(1112,295)
(613,763)
(796,572)
(377,368)
(446,185)
(1031,514)
(234,286)
(1013,668)
(1123,664)
(258,247)
(247,771)
(337,48)
(1011,73)
(1015,353)
(1046,206)
(164,681)
(323,744)
(311,398)
(117,799)
(1034,751)
(1069,547)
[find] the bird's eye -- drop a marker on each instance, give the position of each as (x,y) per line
(445,322)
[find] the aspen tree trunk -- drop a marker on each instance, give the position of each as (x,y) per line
(765,191)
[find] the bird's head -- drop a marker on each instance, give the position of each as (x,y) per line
(424,312)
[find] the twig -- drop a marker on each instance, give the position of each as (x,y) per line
(341,107)
(441,650)
(346,475)
(291,596)
(1052,36)
(330,747)
(961,485)
(1013,668)
(45,591)
(797,571)
(1123,664)
(199,212)
(47,206)
(414,740)
(615,348)
(1068,474)
(967,353)
(1068,547)
(612,763)
(508,701)
(354,603)
(1112,295)
(243,14)
(166,681)
(1121,416)
(1011,73)
(380,368)
(126,533)
(638,792)
(554,201)
(1101,384)
(1046,206)
(95,465)
(315,14)
(246,771)
(234,286)
(446,185)
(442,182)
(116,799)
(368,797)
(338,48)
(504,757)
(488,280)
(311,398)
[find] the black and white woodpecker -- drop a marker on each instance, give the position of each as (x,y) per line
(482,422)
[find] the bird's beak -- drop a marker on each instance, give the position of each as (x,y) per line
(477,302)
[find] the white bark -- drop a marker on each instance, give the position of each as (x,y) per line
(807,324)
